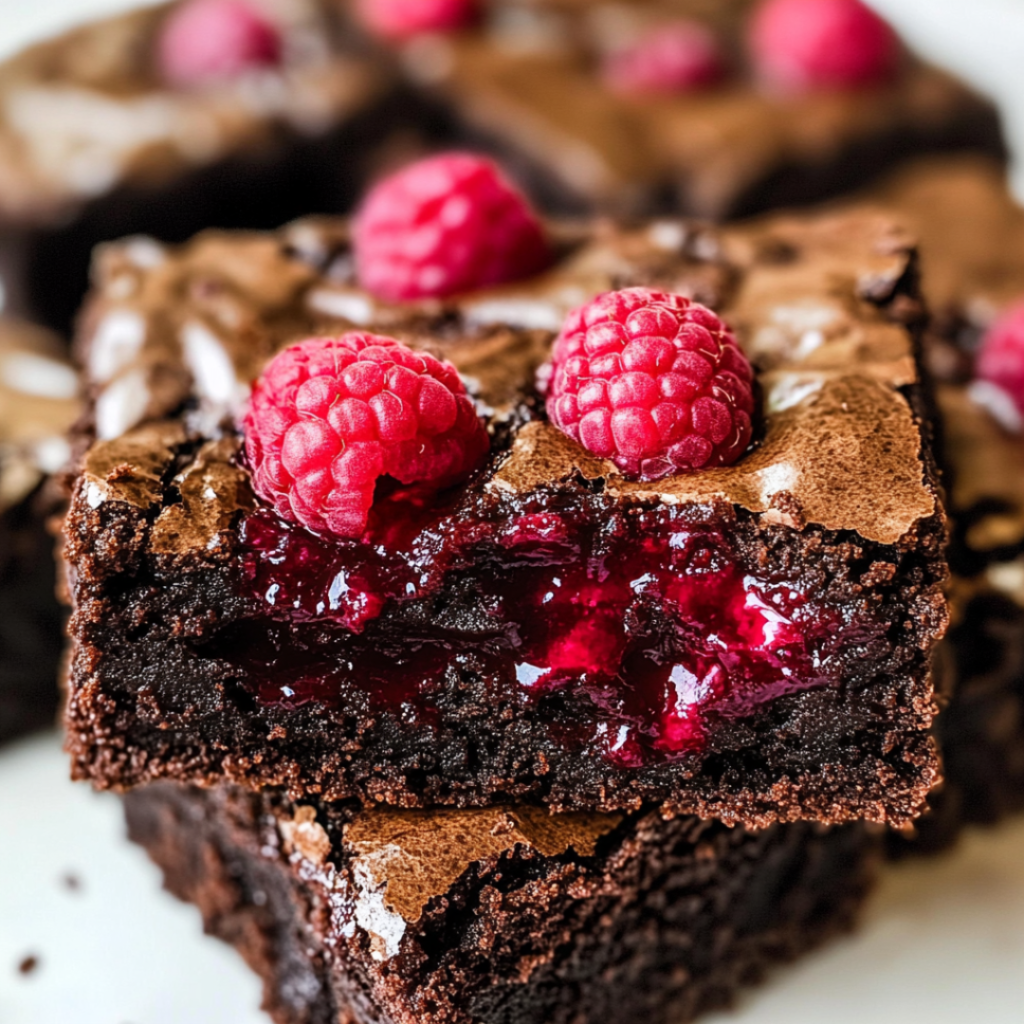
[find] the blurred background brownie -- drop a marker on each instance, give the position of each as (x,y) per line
(178,117)
(686,106)
(971,234)
(37,406)
(497,916)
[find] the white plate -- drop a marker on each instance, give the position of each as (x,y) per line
(942,940)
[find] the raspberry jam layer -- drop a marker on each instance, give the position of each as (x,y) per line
(641,624)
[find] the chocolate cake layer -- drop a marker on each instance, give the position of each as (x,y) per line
(213,642)
(497,916)
(95,144)
(527,84)
(37,406)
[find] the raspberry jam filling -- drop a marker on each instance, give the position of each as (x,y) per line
(629,629)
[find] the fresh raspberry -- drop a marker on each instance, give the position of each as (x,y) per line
(1000,358)
(402,19)
(674,58)
(331,416)
(822,44)
(206,41)
(652,381)
(445,225)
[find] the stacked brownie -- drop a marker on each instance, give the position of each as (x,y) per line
(38,404)
(496,621)
(384,726)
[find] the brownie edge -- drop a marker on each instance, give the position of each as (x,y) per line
(662,921)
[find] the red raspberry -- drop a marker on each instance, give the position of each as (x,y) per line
(1001,356)
(330,416)
(674,58)
(402,19)
(445,225)
(814,44)
(213,40)
(652,381)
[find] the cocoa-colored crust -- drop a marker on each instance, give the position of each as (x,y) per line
(527,84)
(151,549)
(655,920)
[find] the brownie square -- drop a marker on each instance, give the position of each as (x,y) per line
(501,915)
(95,144)
(527,85)
(213,642)
(37,406)
(972,251)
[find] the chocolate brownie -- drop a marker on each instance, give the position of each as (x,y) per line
(212,641)
(37,406)
(972,252)
(96,143)
(501,915)
(526,84)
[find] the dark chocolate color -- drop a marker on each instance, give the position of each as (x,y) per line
(838,498)
(347,920)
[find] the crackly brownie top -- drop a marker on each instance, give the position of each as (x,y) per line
(173,337)
(529,74)
(399,860)
(38,404)
(88,111)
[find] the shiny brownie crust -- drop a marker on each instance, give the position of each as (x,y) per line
(153,560)
(656,919)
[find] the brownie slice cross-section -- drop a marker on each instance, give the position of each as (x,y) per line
(751,643)
(500,915)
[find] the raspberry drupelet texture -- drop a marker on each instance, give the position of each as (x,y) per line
(330,417)
(652,381)
(1000,358)
(801,45)
(675,58)
(445,225)
(403,19)
(209,41)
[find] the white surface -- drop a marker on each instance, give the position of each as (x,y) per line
(942,941)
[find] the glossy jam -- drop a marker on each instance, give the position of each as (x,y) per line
(645,621)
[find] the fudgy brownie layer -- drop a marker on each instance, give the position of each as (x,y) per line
(95,145)
(527,84)
(499,916)
(37,406)
(179,660)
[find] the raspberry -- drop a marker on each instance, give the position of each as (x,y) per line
(652,381)
(401,19)
(678,57)
(444,225)
(331,416)
(1001,355)
(808,44)
(214,40)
